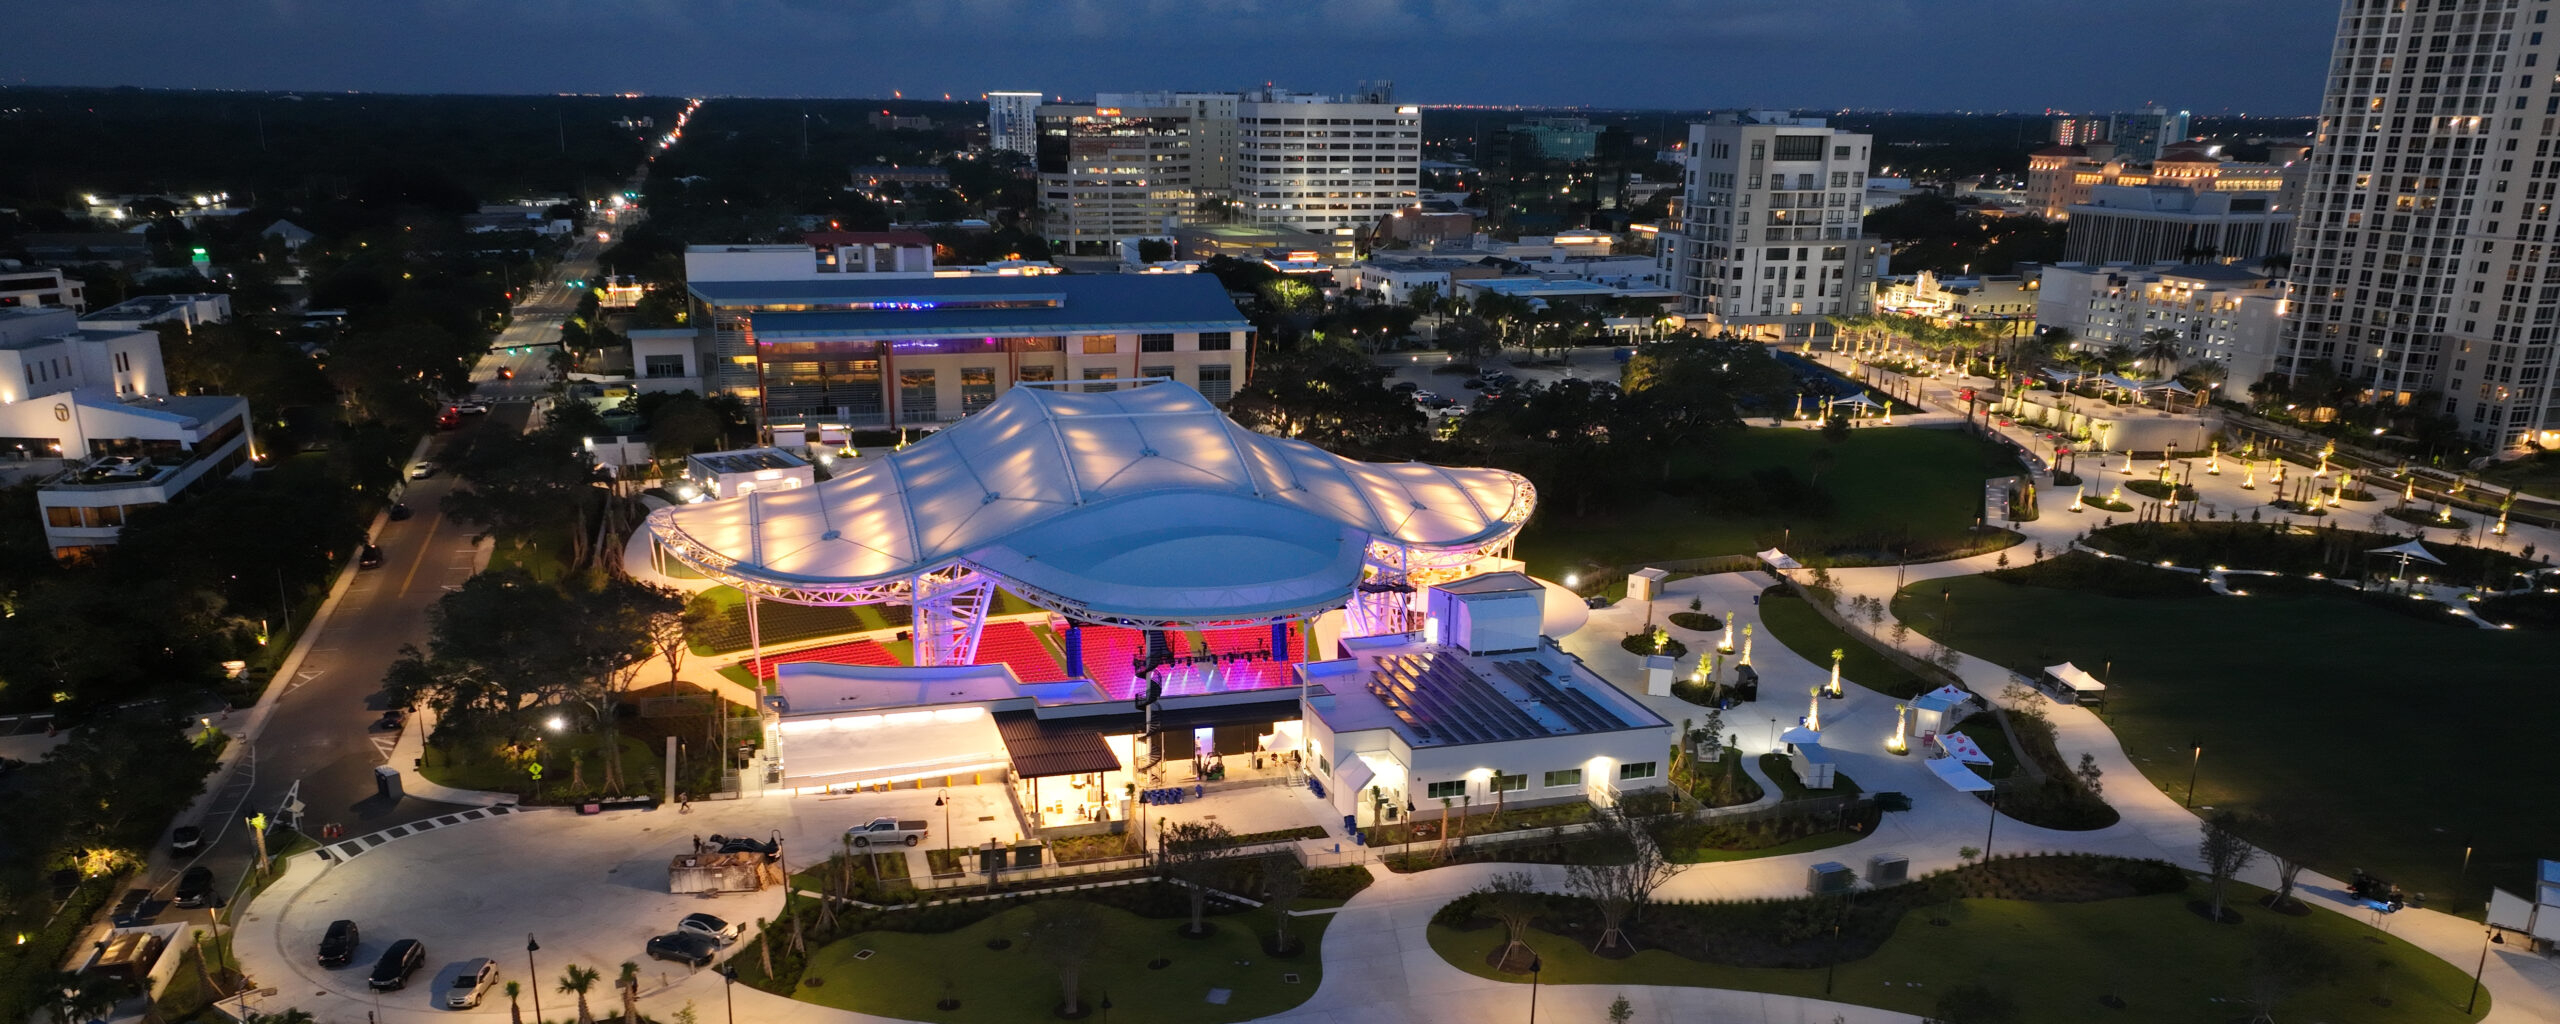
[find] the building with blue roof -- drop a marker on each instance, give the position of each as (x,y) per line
(868,351)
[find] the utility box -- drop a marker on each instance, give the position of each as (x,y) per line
(1645,584)
(1658,671)
(1829,878)
(1885,869)
(386,782)
(1027,855)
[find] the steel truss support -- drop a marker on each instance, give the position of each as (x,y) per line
(949,611)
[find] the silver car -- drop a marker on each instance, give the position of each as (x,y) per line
(469,982)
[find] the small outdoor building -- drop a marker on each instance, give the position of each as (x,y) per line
(1939,710)
(2077,683)
(1814,765)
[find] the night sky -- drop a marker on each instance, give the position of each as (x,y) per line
(2210,56)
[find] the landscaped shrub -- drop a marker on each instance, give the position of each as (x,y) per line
(2277,548)
(2523,611)
(2113,577)
(1797,933)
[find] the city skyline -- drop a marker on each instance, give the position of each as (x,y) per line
(1694,54)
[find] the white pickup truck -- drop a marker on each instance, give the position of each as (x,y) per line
(886,830)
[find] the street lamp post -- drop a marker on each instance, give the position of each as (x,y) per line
(2192,765)
(2497,937)
(942,799)
(1536,965)
(728,981)
(532,974)
(1993,827)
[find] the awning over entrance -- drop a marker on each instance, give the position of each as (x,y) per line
(867,749)
(1044,749)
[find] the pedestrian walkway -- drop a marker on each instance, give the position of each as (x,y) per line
(346,850)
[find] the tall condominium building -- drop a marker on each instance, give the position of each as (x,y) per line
(1333,165)
(1009,121)
(1766,240)
(1213,130)
(2143,134)
(1108,173)
(2078,131)
(2425,263)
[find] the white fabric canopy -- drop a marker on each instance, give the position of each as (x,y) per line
(1801,736)
(1956,775)
(1147,499)
(2074,677)
(1940,699)
(1778,560)
(1962,748)
(1858,399)
(2412,549)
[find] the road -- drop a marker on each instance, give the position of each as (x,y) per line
(319,735)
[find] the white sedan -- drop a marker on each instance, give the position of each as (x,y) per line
(471,408)
(421,470)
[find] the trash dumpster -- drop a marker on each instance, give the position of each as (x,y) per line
(386,781)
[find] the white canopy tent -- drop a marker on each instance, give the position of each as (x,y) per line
(1957,776)
(2409,550)
(2077,678)
(1962,748)
(1778,560)
(1800,736)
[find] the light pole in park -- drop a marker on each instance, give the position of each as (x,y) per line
(532,974)
(2192,765)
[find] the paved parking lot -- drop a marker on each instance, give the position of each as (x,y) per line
(592,889)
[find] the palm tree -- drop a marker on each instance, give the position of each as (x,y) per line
(2203,375)
(576,981)
(2159,348)
(515,1013)
(629,983)
(2116,357)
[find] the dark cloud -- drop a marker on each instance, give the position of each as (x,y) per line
(2207,55)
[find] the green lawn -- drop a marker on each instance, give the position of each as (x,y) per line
(2359,736)
(908,973)
(1796,624)
(2057,960)
(1888,486)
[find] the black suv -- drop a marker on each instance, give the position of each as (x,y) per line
(195,888)
(132,909)
(338,947)
(691,949)
(397,963)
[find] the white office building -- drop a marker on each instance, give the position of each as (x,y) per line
(2231,315)
(1766,240)
(1011,121)
(2162,223)
(86,413)
(41,286)
(2424,262)
(1332,165)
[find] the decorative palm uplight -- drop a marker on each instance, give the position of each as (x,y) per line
(1813,709)
(1901,730)
(1724,643)
(2248,475)
(2075,497)
(1746,645)
(2213,461)
(1834,688)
